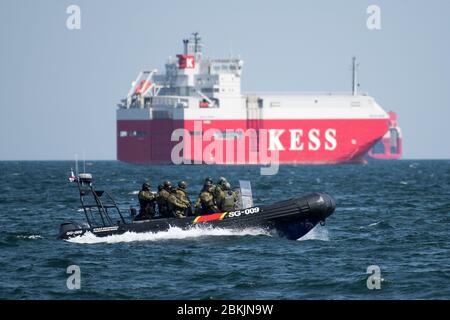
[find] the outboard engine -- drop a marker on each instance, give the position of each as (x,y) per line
(71,228)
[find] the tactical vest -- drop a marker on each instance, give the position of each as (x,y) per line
(229,201)
(162,202)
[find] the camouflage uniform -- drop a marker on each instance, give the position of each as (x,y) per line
(147,204)
(176,206)
(163,203)
(219,195)
(182,195)
(205,203)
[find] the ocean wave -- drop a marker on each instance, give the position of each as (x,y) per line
(173,233)
(32,236)
(378,224)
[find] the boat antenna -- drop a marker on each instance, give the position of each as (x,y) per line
(231,46)
(354,80)
(84,161)
(76,164)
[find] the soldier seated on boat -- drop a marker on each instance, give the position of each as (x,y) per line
(205,203)
(182,195)
(162,199)
(147,202)
(176,205)
(230,198)
(218,191)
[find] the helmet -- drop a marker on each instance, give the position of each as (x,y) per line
(208,179)
(182,184)
(227,186)
(167,184)
(146,186)
(221,181)
(160,187)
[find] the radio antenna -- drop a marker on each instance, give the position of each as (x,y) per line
(84,161)
(76,164)
(354,80)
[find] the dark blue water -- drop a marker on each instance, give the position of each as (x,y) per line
(395,215)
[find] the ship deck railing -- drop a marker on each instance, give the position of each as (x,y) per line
(300,93)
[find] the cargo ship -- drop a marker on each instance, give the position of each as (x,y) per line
(195,112)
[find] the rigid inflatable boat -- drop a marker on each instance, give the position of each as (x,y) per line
(291,218)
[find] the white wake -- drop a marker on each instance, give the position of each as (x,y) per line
(171,234)
(317,233)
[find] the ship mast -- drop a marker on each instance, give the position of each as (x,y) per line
(354,81)
(196,41)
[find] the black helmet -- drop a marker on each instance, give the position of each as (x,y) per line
(182,184)
(167,184)
(146,186)
(208,179)
(227,186)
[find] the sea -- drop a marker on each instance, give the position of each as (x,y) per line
(389,237)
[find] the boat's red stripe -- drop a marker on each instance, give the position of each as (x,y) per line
(210,217)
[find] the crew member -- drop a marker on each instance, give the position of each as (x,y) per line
(147,203)
(230,198)
(181,194)
(163,199)
(176,206)
(208,180)
(205,203)
(218,191)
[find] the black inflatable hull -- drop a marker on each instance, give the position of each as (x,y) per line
(291,219)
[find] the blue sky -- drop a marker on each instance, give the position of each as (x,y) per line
(59,87)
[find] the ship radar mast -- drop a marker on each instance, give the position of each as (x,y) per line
(197,45)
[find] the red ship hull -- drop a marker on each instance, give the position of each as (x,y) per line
(311,141)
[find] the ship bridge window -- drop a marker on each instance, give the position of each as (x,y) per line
(138,133)
(159,114)
(134,133)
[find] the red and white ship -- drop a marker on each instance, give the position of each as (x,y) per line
(201,96)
